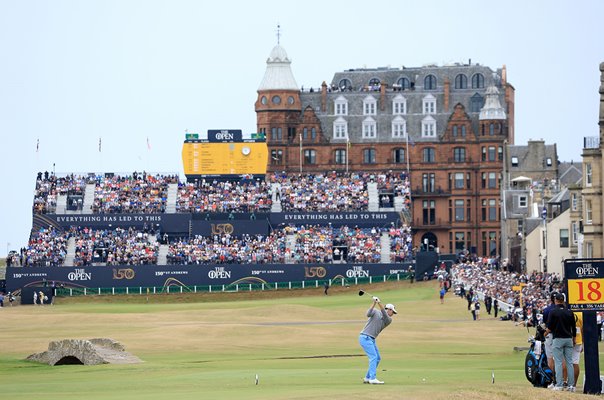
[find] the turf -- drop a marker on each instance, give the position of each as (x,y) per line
(302,345)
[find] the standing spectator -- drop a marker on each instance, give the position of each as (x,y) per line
(477,309)
(495,306)
(561,323)
(473,310)
(1,299)
(35,297)
(578,347)
(41,297)
(488,302)
(442,295)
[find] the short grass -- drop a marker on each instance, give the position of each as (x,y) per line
(302,345)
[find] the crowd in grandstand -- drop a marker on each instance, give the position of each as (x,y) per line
(49,186)
(46,248)
(137,193)
(215,196)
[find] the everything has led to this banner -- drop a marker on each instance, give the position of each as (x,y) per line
(585,282)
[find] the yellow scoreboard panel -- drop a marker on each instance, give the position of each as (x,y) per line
(232,158)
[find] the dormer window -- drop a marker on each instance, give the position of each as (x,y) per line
(399,127)
(340,106)
(429,127)
(399,105)
(429,105)
(430,82)
(369,128)
(369,106)
(340,128)
(345,84)
(514,161)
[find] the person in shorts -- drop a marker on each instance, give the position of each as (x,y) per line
(578,347)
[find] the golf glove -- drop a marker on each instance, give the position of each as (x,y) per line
(376,299)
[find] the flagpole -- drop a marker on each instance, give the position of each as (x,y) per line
(347,150)
(300,152)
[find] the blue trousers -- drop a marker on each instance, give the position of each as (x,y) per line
(370,348)
(562,350)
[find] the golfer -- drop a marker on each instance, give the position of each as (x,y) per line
(377,321)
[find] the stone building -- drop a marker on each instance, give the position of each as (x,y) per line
(447,125)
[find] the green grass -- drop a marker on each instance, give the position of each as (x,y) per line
(303,345)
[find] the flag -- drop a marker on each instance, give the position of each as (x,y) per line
(148,144)
(99,145)
(38,145)
(348,141)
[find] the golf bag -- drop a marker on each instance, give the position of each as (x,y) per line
(536,369)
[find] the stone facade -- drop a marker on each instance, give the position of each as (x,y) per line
(86,352)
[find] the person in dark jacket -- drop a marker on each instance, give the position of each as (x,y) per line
(561,323)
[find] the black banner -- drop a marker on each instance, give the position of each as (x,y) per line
(189,275)
(360,218)
(225,135)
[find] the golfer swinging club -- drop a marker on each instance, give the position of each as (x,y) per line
(377,321)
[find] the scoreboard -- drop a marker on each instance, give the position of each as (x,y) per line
(224,153)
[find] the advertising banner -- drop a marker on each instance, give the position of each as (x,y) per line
(189,275)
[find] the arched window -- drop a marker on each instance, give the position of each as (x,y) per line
(403,83)
(477,81)
(461,81)
(345,84)
(369,156)
(374,82)
(430,82)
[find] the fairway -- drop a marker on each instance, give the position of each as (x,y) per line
(301,347)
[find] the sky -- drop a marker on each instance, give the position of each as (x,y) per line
(138,73)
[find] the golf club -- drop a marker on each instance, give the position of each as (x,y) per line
(362,292)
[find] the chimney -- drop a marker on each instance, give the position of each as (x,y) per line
(324,97)
(447,92)
(383,96)
(504,76)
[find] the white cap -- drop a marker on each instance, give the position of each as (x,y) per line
(390,307)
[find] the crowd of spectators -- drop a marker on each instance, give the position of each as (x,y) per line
(322,192)
(114,247)
(46,248)
(137,193)
(49,186)
(484,276)
(213,196)
(228,249)
(401,243)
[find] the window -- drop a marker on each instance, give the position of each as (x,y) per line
(514,161)
(429,127)
(492,210)
(429,212)
(369,156)
(460,240)
(403,83)
(310,156)
(429,155)
(589,250)
(340,128)
(573,202)
(340,156)
(477,81)
(305,133)
(461,81)
(429,104)
(430,82)
(459,210)
(588,175)
(276,157)
(399,105)
(575,232)
(500,153)
(276,99)
(399,127)
(459,182)
(491,153)
(291,132)
(454,131)
(374,82)
(428,182)
(345,84)
(563,237)
(369,128)
(398,156)
(459,154)
(340,106)
(588,212)
(476,103)
(313,133)
(548,161)
(463,131)
(522,201)
(369,106)
(276,134)
(489,180)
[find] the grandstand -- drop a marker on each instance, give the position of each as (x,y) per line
(167,231)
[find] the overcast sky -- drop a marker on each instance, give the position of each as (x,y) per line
(72,72)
